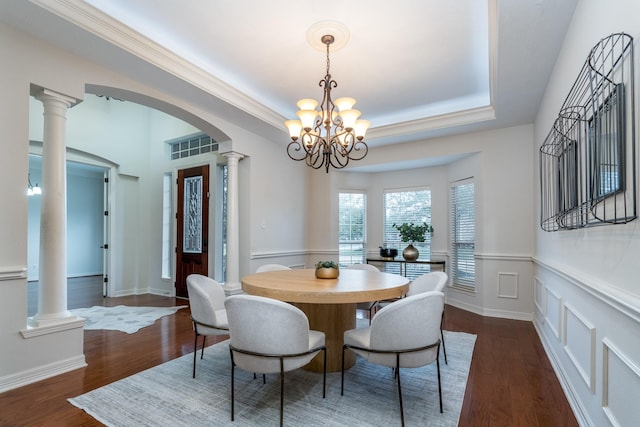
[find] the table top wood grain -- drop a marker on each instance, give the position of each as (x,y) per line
(301,285)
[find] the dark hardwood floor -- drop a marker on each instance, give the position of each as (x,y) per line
(511,382)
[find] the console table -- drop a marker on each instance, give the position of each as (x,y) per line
(403,263)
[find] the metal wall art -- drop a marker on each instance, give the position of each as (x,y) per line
(587,161)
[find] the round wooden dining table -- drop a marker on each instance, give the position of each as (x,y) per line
(330,304)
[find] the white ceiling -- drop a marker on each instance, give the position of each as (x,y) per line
(418,68)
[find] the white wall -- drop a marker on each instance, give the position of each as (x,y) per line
(587,295)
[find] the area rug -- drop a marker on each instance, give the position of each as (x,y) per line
(166,395)
(121,317)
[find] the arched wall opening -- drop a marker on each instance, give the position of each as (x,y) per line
(127,132)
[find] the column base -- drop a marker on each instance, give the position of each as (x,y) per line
(37,328)
(233,288)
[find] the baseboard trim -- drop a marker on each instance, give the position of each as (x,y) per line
(502,314)
(578,410)
(40,373)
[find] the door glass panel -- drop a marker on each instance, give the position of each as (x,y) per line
(192,231)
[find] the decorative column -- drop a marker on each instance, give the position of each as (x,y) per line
(232,283)
(52,290)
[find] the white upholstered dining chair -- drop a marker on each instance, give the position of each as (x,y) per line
(369,306)
(272,267)
(394,338)
(206,300)
(270,336)
(433,281)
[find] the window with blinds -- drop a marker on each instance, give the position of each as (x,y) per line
(462,222)
(410,206)
(352,228)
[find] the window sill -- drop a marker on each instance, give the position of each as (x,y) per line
(466,289)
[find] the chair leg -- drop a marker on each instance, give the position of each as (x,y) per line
(444,348)
(324,374)
(342,370)
(264,378)
(195,352)
(439,385)
(232,385)
(204,342)
(281,391)
(399,388)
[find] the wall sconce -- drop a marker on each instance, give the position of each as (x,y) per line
(31,189)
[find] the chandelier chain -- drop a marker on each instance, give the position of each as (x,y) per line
(328,60)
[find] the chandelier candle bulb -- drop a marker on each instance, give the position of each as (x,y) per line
(349,118)
(307,117)
(295,127)
(307,104)
(345,103)
(361,128)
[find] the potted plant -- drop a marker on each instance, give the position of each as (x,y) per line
(411,233)
(327,270)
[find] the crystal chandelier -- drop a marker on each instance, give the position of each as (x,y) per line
(332,136)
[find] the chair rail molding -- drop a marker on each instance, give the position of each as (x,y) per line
(503,257)
(13,273)
(626,303)
(279,254)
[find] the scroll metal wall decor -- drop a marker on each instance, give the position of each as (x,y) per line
(587,161)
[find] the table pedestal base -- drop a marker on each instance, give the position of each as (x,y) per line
(333,320)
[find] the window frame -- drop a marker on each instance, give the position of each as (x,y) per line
(352,242)
(390,236)
(468,285)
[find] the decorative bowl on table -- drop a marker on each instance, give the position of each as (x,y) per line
(327,270)
(388,253)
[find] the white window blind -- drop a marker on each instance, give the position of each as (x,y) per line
(410,206)
(352,227)
(462,221)
(167,221)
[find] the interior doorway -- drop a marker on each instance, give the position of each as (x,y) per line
(86,201)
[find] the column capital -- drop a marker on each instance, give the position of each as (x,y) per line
(233,155)
(46,94)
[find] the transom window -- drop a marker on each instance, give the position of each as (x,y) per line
(191,145)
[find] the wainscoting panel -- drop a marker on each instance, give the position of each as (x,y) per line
(538,300)
(508,285)
(621,387)
(597,358)
(552,315)
(579,342)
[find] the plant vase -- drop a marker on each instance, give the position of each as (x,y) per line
(410,253)
(327,273)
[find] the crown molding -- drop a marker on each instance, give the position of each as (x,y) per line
(458,118)
(94,21)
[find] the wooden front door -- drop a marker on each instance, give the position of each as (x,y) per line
(192,225)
